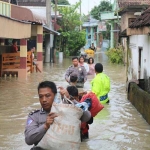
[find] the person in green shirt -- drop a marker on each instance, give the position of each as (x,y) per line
(100,85)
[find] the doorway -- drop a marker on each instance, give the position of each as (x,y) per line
(140,70)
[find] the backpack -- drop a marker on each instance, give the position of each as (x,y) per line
(96,106)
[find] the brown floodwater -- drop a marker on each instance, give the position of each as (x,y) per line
(117,127)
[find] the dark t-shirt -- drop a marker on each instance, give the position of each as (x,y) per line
(92,48)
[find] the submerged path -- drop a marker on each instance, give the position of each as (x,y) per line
(117,127)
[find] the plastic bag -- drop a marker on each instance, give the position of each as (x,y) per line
(84,106)
(64,133)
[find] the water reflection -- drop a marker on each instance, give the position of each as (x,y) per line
(117,127)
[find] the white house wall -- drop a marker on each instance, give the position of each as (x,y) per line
(135,42)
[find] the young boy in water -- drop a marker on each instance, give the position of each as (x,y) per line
(73,79)
(73,92)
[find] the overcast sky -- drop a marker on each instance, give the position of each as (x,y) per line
(87,5)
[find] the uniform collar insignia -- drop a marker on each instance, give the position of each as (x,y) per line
(42,111)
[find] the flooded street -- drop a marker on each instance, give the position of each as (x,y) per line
(117,127)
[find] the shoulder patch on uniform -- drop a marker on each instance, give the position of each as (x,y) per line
(29,121)
(34,111)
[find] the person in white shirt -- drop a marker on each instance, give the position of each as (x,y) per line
(34,62)
(82,63)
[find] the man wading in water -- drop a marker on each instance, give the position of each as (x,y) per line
(39,121)
(79,70)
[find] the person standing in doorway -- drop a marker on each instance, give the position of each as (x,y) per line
(14,48)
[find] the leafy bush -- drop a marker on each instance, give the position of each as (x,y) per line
(66,53)
(116,55)
(71,42)
(75,42)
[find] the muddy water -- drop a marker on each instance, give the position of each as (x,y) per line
(117,127)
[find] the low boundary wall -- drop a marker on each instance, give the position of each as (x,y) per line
(140,99)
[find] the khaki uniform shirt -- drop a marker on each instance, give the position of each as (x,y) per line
(80,71)
(34,129)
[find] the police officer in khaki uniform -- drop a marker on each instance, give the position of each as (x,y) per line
(79,70)
(39,121)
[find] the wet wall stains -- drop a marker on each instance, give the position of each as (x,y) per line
(147,85)
(140,99)
(144,84)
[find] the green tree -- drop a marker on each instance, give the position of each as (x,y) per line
(71,38)
(76,40)
(104,5)
(95,13)
(70,18)
(61,2)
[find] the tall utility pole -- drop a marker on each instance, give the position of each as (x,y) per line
(80,16)
(48,36)
(55,14)
(48,13)
(55,37)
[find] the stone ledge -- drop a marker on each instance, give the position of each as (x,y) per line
(140,99)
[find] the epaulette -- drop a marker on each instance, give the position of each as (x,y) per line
(34,111)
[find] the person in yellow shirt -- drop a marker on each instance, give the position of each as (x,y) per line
(100,85)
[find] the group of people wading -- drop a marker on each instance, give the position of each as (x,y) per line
(40,121)
(77,73)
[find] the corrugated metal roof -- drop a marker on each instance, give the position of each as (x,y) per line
(39,13)
(42,11)
(22,13)
(50,30)
(143,20)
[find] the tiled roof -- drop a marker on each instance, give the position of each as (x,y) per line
(29,2)
(32,2)
(143,20)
